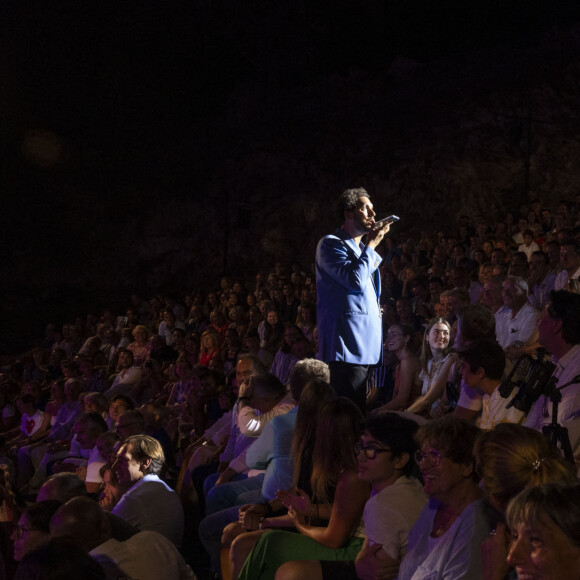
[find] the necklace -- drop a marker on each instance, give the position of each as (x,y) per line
(441,523)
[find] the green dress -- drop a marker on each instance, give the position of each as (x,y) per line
(277,547)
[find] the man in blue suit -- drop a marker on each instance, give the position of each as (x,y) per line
(348,287)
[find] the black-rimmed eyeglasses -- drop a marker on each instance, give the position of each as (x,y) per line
(370,451)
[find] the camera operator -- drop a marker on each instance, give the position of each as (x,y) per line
(559,329)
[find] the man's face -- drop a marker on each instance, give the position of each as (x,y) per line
(363,215)
(471,378)
(291,336)
(125,360)
(253,343)
(126,425)
(244,370)
(86,436)
(127,469)
(497,258)
(512,296)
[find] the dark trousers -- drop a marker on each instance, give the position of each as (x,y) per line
(350,381)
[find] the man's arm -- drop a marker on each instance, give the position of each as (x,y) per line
(341,264)
(251,424)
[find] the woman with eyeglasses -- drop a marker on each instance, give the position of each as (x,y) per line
(445,541)
(338,499)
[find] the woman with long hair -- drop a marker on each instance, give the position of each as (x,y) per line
(399,342)
(436,360)
(338,496)
(209,347)
(290,466)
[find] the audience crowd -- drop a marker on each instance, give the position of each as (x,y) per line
(204,418)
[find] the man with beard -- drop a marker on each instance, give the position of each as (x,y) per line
(348,289)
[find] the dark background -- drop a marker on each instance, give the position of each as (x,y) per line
(153,146)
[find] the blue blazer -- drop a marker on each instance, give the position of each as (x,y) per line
(348,288)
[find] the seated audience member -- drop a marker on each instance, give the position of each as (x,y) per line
(545,525)
(491,296)
(110,490)
(529,246)
(407,384)
(271,329)
(445,540)
(148,503)
(553,250)
(84,456)
(231,348)
(272,452)
(129,423)
(567,279)
(117,406)
(254,348)
(519,266)
(34,425)
(516,322)
(61,487)
(146,555)
(511,458)
(128,376)
(209,347)
(64,486)
(141,347)
(483,363)
(474,322)
(8,416)
(167,325)
(96,403)
(306,320)
(559,330)
(457,299)
(541,279)
(337,493)
(31,456)
(385,457)
(92,379)
(236,443)
(81,451)
(58,559)
(260,400)
(161,352)
(33,529)
(436,360)
(284,359)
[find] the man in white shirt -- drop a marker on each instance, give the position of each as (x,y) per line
(517,320)
(127,377)
(560,334)
(483,362)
